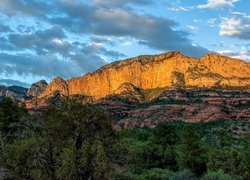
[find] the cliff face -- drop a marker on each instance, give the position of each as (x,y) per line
(57,85)
(37,88)
(150,72)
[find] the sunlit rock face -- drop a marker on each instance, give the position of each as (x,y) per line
(57,85)
(149,72)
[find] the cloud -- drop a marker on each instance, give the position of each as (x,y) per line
(218,4)
(113,18)
(26,7)
(119,3)
(5,44)
(179,8)
(243,54)
(212,22)
(49,53)
(193,28)
(105,40)
(71,38)
(41,41)
(237,26)
(11,82)
(4,28)
(157,33)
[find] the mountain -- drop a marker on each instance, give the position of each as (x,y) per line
(146,90)
(15,92)
(21,93)
(171,70)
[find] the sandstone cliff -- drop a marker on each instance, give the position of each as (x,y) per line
(149,72)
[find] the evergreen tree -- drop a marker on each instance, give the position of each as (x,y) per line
(230,161)
(192,155)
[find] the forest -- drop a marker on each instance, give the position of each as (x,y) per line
(75,140)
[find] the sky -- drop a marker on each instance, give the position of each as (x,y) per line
(42,39)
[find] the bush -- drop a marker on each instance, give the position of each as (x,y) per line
(155,174)
(218,175)
(181,175)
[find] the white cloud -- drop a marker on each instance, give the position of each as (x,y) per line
(218,4)
(179,8)
(196,20)
(192,28)
(212,22)
(243,54)
(236,26)
(57,41)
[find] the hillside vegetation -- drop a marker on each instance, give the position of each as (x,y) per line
(75,140)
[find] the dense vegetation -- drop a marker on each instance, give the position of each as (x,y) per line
(73,140)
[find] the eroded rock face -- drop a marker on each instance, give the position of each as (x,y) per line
(160,71)
(37,88)
(57,85)
(131,92)
(192,106)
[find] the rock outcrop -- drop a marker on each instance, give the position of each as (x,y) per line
(191,106)
(57,85)
(14,92)
(149,72)
(37,88)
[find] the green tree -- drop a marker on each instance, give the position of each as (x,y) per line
(165,134)
(230,161)
(145,155)
(11,118)
(154,174)
(223,138)
(57,144)
(218,175)
(19,139)
(246,149)
(184,174)
(192,155)
(73,128)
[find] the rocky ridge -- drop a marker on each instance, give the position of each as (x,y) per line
(160,71)
(23,94)
(15,92)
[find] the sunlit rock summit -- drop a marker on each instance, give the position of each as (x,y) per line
(169,70)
